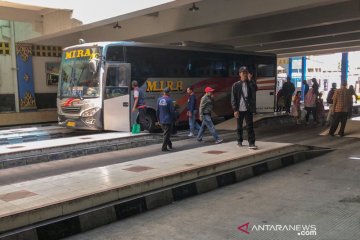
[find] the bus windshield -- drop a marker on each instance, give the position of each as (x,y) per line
(79,76)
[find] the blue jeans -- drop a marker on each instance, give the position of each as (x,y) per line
(193,124)
(207,122)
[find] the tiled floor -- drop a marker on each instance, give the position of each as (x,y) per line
(44,191)
(231,123)
(26,146)
(351,129)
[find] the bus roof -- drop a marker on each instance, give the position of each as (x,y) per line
(195,47)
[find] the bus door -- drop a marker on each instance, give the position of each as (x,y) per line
(116,106)
(266,88)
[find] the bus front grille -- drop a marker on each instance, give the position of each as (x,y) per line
(71,109)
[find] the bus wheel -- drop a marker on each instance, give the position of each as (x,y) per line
(150,120)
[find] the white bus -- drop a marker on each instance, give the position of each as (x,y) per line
(94,87)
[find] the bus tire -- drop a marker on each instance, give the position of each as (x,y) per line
(150,119)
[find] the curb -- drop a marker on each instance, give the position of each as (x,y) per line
(88,219)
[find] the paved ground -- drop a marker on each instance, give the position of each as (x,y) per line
(322,194)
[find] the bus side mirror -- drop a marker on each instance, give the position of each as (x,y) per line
(93,64)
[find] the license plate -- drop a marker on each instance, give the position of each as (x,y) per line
(70,124)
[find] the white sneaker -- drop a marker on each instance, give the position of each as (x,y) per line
(190,135)
(253,146)
(219,141)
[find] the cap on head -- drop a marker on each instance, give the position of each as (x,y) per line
(209,89)
(166,90)
(333,85)
(243,69)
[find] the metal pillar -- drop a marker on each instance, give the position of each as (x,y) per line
(303,76)
(14,66)
(303,68)
(290,68)
(344,66)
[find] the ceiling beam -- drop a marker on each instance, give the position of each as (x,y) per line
(307,50)
(272,47)
(305,18)
(301,34)
(313,52)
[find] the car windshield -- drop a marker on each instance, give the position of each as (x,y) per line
(79,76)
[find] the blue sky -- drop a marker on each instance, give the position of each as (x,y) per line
(89,11)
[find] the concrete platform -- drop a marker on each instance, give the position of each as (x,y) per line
(40,205)
(259,119)
(31,117)
(48,150)
(352,129)
(31,133)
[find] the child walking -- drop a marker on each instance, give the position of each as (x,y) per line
(296,111)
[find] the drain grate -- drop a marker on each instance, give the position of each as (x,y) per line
(12,196)
(13,147)
(137,169)
(215,152)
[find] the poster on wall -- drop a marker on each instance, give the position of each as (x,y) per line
(52,73)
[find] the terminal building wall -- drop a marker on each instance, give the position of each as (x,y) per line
(43,58)
(45,89)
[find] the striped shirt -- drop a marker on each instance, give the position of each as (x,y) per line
(341,100)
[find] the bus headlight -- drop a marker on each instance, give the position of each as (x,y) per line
(89,113)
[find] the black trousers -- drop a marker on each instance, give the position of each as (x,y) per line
(249,127)
(339,117)
(142,120)
(288,103)
(167,129)
(311,110)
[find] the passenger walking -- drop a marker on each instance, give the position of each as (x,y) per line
(341,102)
(352,93)
(320,109)
(206,106)
(295,109)
(191,112)
(165,114)
(280,101)
(310,105)
(304,89)
(243,106)
(288,91)
(315,86)
(329,100)
(139,104)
